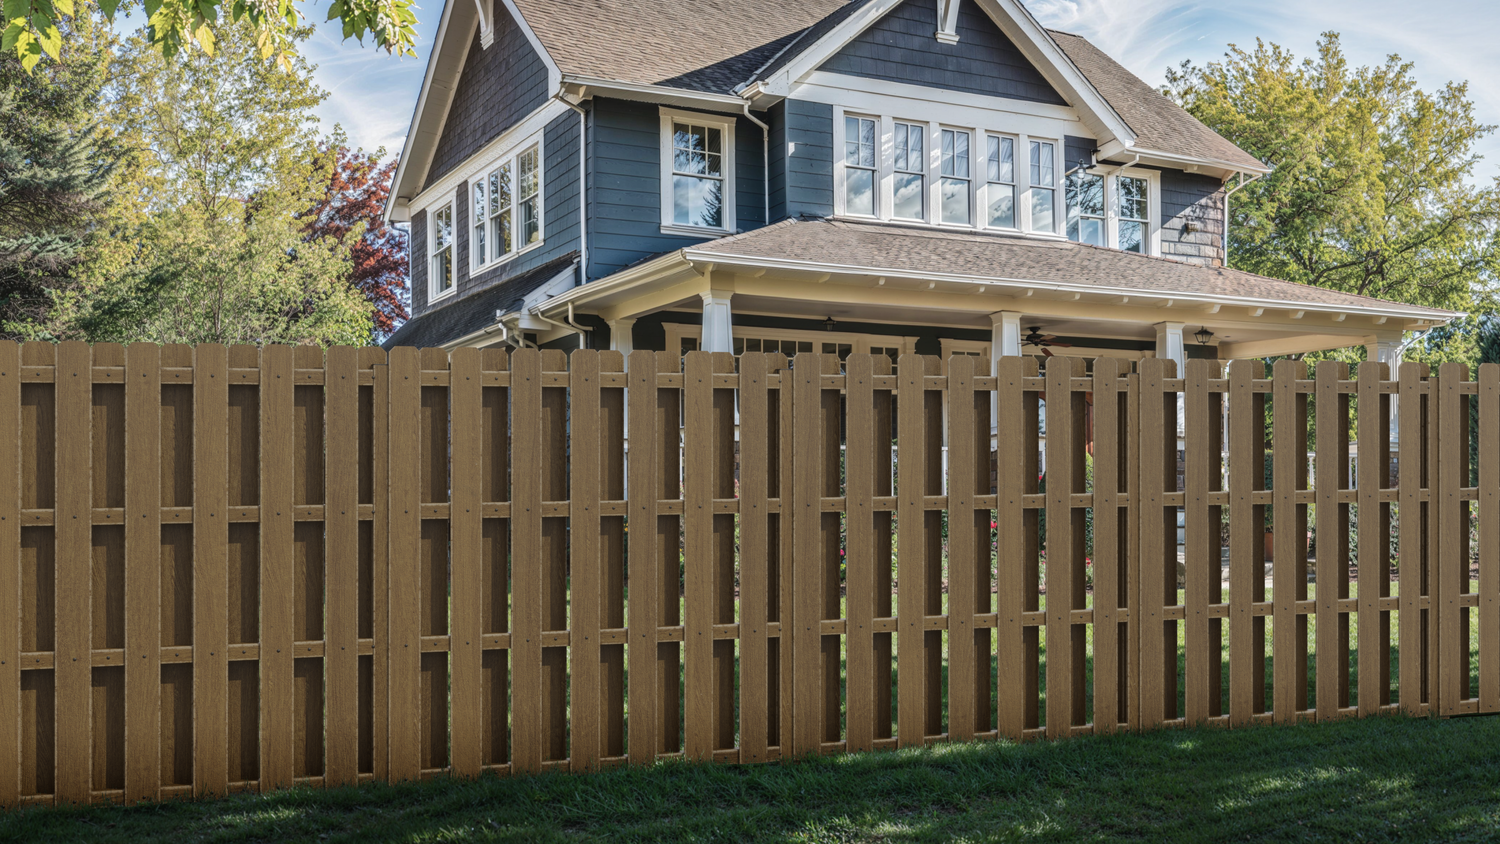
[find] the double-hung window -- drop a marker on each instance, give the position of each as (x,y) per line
(507,201)
(440,262)
(1000,164)
(909,176)
(1043,188)
(859,166)
(1133,210)
(697,172)
(1085,198)
(954,177)
(1111,210)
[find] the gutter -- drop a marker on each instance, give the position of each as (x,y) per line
(583,187)
(765,162)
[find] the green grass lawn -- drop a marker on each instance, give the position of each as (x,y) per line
(1381,779)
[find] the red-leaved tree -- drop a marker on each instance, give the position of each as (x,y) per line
(357,191)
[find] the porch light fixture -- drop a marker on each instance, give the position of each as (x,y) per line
(1203,335)
(828,323)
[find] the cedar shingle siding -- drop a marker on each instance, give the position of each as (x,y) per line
(901,47)
(1191,198)
(498,87)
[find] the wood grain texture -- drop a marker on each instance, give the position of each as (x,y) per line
(1016,547)
(860,462)
(10,573)
(1453,535)
(1489,540)
(277,566)
(142,571)
(1289,521)
(1374,475)
(1331,466)
(74,579)
(1246,542)
(585,396)
(642,612)
(404,529)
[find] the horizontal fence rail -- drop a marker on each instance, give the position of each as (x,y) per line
(237,569)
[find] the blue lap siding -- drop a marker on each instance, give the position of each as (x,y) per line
(625,185)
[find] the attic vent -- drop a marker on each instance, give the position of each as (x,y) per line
(486,11)
(947,21)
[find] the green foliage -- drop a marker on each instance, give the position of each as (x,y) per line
(209,246)
(54,172)
(1374,191)
(38,28)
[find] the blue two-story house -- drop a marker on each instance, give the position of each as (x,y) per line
(931,176)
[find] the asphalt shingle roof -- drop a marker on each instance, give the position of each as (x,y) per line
(877,246)
(1159,124)
(716,45)
(463,315)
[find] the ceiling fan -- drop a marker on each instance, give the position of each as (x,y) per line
(1042,341)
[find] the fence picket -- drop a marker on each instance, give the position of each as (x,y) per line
(1489,537)
(1453,538)
(72,515)
(11,578)
(277,573)
(1373,476)
(1111,560)
(1015,548)
(494,436)
(911,562)
(968,664)
(1065,657)
(587,576)
(860,470)
(1247,583)
(466,528)
(1289,527)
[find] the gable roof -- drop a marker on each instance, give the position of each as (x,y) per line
(713,49)
(698,45)
(1160,125)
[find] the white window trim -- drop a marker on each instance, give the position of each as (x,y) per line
(433,294)
(725,124)
(509,156)
(935,177)
(1024,187)
(1015,183)
(1110,173)
(978,175)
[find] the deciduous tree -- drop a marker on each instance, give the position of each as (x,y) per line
(350,214)
(1376,188)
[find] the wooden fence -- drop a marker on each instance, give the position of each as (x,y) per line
(229,569)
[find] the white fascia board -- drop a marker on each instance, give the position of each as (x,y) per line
(1195,300)
(657,268)
(915,102)
(438,84)
(581,87)
(1178,162)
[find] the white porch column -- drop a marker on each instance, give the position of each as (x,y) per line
(1005,342)
(1389,352)
(1169,344)
(718,326)
(622,336)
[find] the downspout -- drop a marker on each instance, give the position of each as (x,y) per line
(583,187)
(765,161)
(1228,193)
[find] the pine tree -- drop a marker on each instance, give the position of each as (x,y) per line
(53,173)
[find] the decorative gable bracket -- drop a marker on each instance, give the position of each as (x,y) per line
(486,11)
(947,21)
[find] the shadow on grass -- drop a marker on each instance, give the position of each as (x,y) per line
(1381,779)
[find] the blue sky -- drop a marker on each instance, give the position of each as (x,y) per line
(372,94)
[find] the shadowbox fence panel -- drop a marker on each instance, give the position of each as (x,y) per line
(227,569)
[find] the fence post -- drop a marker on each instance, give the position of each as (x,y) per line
(10,581)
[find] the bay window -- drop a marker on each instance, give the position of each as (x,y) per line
(1043,188)
(954,177)
(1000,164)
(909,179)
